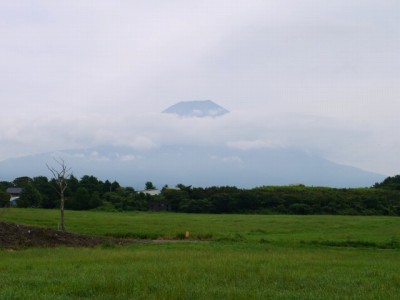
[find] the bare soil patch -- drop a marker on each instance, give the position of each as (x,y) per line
(16,236)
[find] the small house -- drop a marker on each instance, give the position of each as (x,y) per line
(152,192)
(14,193)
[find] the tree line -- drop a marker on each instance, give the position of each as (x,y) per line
(89,193)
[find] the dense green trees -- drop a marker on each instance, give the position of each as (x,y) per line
(390,183)
(22,181)
(4,199)
(30,196)
(149,186)
(91,193)
(49,196)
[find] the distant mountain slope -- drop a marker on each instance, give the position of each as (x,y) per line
(199,108)
(197,166)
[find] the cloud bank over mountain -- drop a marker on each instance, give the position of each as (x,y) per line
(337,140)
(245,150)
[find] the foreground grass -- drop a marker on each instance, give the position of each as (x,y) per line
(199,271)
(245,257)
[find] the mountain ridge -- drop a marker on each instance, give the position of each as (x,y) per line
(197,166)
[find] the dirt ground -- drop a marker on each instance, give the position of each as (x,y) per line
(16,236)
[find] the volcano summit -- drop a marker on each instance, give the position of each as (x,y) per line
(198,108)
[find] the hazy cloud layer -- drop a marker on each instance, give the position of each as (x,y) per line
(322,76)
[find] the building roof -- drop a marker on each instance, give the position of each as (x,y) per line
(14,190)
(151,192)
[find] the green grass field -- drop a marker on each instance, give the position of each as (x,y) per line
(226,257)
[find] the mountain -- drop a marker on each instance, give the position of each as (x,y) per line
(198,108)
(197,166)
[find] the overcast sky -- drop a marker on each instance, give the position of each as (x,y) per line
(323,76)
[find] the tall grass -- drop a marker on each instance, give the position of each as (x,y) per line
(263,228)
(244,257)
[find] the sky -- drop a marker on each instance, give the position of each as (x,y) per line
(323,76)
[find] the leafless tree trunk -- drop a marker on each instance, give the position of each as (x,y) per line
(61,174)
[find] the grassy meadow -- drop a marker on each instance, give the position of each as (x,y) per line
(226,256)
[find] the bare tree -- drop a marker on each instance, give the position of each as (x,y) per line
(60,174)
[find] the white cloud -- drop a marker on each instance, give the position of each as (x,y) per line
(142,142)
(254,144)
(232,159)
(129,157)
(321,76)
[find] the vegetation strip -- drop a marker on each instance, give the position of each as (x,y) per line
(90,193)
